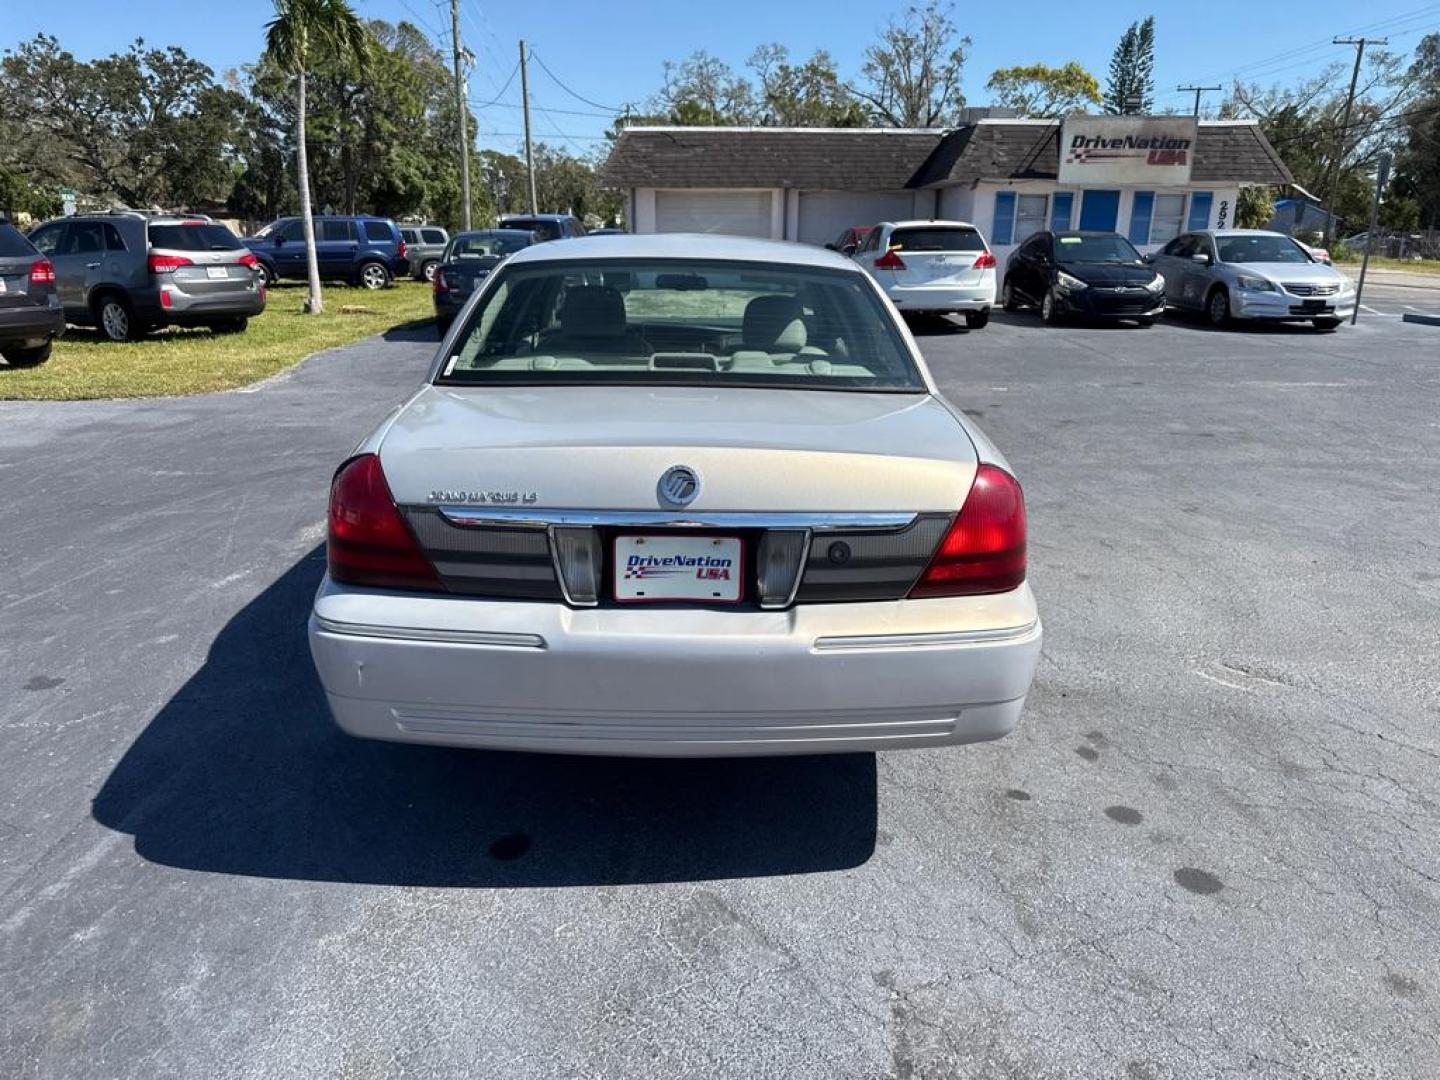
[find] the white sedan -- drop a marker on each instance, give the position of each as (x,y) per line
(932,266)
(676,495)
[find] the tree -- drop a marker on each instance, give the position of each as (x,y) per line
(804,95)
(703,90)
(1130,90)
(1043,91)
(1254,206)
(913,72)
(303,33)
(1417,162)
(19,196)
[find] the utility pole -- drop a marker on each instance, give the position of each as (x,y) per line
(1198,91)
(1359,44)
(1382,174)
(462,116)
(529,154)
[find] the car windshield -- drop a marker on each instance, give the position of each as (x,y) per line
(1094,249)
(483,245)
(197,237)
(686,322)
(1260,249)
(936,238)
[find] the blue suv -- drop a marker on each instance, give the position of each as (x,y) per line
(365,251)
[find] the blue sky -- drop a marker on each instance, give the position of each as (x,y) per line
(611,53)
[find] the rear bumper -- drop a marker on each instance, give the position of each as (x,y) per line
(31,325)
(942,297)
(186,309)
(680,682)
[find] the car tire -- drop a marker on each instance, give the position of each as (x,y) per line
(1049,310)
(266,275)
(116,318)
(27,357)
(428,268)
(976,320)
(229,326)
(1145,324)
(1008,300)
(373,276)
(1328,326)
(1217,308)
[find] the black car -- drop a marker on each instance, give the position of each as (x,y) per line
(1091,275)
(31,315)
(545,226)
(468,260)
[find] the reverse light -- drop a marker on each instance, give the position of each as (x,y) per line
(368,541)
(42,272)
(984,549)
(166,264)
(890,261)
(986,261)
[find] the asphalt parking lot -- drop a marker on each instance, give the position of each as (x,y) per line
(1212,849)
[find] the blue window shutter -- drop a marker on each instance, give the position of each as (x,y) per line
(1200,203)
(1003,231)
(1060,207)
(1140,217)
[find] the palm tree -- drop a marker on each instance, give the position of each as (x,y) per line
(302,32)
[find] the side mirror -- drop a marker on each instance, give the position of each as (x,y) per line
(849,249)
(1148,260)
(1201,258)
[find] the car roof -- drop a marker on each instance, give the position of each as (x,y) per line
(1084,232)
(537,217)
(694,246)
(926,223)
(492,232)
(1241,232)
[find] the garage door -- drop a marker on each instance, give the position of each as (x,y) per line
(824,215)
(734,213)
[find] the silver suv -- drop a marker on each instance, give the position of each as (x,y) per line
(424,244)
(127,273)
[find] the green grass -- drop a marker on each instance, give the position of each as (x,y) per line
(1414,266)
(175,362)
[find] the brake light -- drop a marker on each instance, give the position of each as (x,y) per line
(986,261)
(166,264)
(984,549)
(368,542)
(42,272)
(404,251)
(890,261)
(249,261)
(439,282)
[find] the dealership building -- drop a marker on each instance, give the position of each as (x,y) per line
(1149,178)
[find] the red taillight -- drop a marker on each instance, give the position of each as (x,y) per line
(42,272)
(890,261)
(166,301)
(984,550)
(404,251)
(166,264)
(249,261)
(986,261)
(369,542)
(439,282)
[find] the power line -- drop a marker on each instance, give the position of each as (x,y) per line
(1320,44)
(496,101)
(578,97)
(1198,91)
(498,104)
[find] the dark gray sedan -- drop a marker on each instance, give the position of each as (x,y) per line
(469,258)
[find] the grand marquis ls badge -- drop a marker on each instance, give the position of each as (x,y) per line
(678,486)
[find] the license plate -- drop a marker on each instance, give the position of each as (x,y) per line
(1315,305)
(704,568)
(216,272)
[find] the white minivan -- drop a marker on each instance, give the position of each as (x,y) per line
(937,266)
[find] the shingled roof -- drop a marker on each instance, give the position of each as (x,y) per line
(837,159)
(870,159)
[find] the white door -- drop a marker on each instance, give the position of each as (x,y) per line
(824,215)
(733,213)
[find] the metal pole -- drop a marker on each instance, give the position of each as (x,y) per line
(462,117)
(1382,174)
(1198,91)
(1359,44)
(529,154)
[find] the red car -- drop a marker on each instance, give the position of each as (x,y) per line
(849,241)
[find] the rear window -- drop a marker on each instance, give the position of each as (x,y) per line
(480,245)
(378,230)
(682,322)
(544,229)
(202,237)
(936,238)
(12,243)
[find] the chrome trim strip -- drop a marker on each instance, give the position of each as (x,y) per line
(451,637)
(921,641)
(483,516)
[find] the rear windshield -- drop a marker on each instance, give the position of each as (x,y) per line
(480,245)
(1260,249)
(936,238)
(544,229)
(201,237)
(686,322)
(1095,249)
(13,244)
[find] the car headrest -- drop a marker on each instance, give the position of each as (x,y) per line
(593,311)
(774,324)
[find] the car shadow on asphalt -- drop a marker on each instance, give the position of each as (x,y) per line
(924,324)
(422,330)
(243,772)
